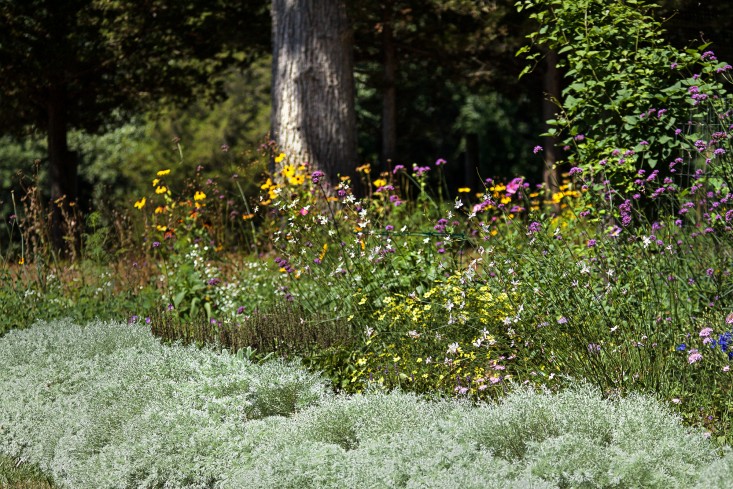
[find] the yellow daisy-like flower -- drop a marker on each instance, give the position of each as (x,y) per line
(380,182)
(267,184)
(248,216)
(21,261)
(199,195)
(279,158)
(156,181)
(161,190)
(161,228)
(464,190)
(163,173)
(160,209)
(140,203)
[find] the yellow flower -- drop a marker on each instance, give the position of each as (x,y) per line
(364,168)
(266,185)
(140,203)
(464,190)
(161,228)
(288,171)
(160,209)
(163,173)
(199,195)
(248,216)
(279,158)
(379,182)
(21,261)
(161,190)
(156,181)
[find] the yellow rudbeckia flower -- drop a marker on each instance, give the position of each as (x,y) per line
(163,173)
(140,203)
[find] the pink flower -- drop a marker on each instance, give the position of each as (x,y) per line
(513,186)
(726,368)
(303,211)
(705,332)
(695,356)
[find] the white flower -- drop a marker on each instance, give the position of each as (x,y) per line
(453,348)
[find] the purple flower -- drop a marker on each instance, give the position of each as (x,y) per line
(537,149)
(534,227)
(575,170)
(389,227)
(591,243)
(580,137)
(398,168)
(440,161)
(562,320)
(156,244)
(240,310)
(317,175)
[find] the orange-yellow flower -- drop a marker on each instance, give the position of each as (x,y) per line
(21,261)
(160,209)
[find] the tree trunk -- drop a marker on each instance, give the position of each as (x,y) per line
(553,94)
(313,115)
(62,163)
(389,90)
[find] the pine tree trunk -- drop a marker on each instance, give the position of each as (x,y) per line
(553,94)
(62,163)
(389,90)
(313,114)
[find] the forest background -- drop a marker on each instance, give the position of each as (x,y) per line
(446,71)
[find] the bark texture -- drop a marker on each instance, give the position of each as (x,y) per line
(389,90)
(313,114)
(553,93)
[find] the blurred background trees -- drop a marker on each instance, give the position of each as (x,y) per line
(124,78)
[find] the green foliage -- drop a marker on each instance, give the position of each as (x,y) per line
(113,408)
(14,475)
(628,90)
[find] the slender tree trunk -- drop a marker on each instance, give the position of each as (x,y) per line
(62,163)
(551,86)
(313,115)
(389,89)
(472,162)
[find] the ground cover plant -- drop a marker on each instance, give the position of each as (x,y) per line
(106,405)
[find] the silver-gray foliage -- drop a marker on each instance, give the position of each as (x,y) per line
(107,406)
